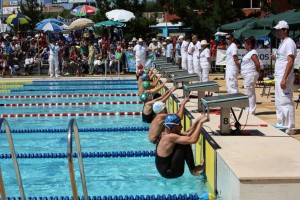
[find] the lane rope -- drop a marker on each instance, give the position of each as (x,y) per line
(68,89)
(62,130)
(77,84)
(64,95)
(69,114)
(70,103)
(106,154)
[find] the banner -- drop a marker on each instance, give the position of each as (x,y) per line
(59,1)
(130,62)
(264,56)
(10,10)
(77,1)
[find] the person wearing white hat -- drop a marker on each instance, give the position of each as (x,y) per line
(157,125)
(169,51)
(204,61)
(232,66)
(284,74)
(140,51)
(53,58)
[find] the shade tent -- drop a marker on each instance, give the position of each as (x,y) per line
(237,25)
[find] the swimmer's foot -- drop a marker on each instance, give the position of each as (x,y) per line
(198,170)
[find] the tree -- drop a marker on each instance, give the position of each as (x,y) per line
(33,10)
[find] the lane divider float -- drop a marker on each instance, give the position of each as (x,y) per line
(82,130)
(78,84)
(69,103)
(69,114)
(113,154)
(64,95)
(68,89)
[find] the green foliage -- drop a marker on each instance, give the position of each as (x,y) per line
(33,10)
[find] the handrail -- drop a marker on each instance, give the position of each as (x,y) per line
(13,156)
(74,128)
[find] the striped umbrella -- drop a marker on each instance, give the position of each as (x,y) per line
(53,20)
(84,10)
(50,26)
(18,19)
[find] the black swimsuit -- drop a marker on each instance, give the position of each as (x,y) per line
(148,118)
(172,166)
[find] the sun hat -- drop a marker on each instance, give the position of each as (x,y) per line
(282,24)
(37,35)
(144,77)
(154,40)
(144,97)
(168,38)
(171,120)
(15,38)
(141,40)
(158,106)
(146,85)
(203,42)
(134,39)
(181,37)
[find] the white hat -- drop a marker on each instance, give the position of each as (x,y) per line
(134,39)
(141,40)
(164,43)
(15,38)
(154,39)
(5,36)
(168,38)
(203,42)
(181,37)
(37,35)
(158,106)
(281,24)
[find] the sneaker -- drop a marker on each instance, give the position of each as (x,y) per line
(67,74)
(290,132)
(57,75)
(51,76)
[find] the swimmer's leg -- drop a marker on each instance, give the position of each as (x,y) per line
(189,158)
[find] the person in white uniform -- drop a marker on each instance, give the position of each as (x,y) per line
(196,61)
(184,53)
(204,61)
(53,58)
(140,53)
(284,74)
(249,70)
(190,51)
(232,66)
(169,53)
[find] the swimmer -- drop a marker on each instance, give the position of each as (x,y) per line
(157,125)
(146,78)
(148,114)
(173,148)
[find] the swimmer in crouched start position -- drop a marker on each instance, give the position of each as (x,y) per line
(173,147)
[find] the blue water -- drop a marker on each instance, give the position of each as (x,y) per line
(104,176)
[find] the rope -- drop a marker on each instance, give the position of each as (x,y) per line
(70,89)
(117,129)
(69,103)
(81,84)
(64,95)
(113,154)
(69,114)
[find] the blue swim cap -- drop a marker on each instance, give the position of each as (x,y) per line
(144,77)
(171,120)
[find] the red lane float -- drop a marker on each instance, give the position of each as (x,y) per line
(69,103)
(65,95)
(69,114)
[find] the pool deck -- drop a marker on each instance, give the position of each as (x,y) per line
(248,167)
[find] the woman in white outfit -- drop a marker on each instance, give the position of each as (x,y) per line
(284,66)
(232,66)
(204,61)
(53,58)
(249,70)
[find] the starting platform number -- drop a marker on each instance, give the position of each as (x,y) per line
(225,121)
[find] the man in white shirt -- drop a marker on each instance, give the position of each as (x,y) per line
(284,74)
(196,52)
(232,66)
(183,51)
(140,52)
(53,58)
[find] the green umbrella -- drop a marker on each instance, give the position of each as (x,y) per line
(236,25)
(110,23)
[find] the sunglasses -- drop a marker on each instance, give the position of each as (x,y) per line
(228,38)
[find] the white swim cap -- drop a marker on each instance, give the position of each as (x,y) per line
(158,106)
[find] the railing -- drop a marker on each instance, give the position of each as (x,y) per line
(74,128)
(15,162)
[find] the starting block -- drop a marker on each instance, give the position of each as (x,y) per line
(163,64)
(185,79)
(225,102)
(174,72)
(167,67)
(202,87)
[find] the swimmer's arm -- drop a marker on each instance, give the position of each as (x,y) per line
(181,109)
(154,90)
(153,84)
(189,139)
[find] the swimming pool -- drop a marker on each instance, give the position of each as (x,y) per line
(40,140)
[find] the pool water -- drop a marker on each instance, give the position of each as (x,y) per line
(104,176)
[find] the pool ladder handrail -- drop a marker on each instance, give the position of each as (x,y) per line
(74,128)
(15,162)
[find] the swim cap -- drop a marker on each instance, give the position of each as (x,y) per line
(171,120)
(158,106)
(139,72)
(140,66)
(95,44)
(144,77)
(146,85)
(144,97)
(146,71)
